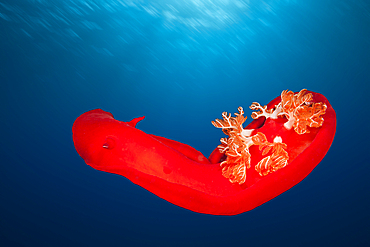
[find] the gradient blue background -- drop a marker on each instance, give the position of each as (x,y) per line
(181,64)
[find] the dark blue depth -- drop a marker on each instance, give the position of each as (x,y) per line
(181,64)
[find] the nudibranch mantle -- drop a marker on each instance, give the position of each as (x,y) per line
(281,154)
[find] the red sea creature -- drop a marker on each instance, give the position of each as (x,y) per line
(285,142)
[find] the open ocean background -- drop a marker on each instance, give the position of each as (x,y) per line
(181,63)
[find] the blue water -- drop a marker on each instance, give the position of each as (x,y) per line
(181,64)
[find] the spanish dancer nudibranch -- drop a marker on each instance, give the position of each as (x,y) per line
(286,140)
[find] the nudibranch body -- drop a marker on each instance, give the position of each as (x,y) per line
(300,112)
(277,150)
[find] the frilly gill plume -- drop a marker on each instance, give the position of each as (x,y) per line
(300,113)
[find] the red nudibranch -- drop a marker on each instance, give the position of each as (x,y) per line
(276,151)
